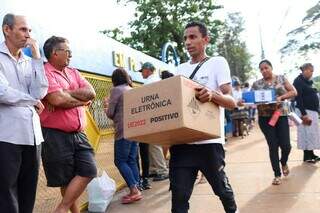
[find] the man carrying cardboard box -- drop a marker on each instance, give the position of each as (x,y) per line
(207,156)
(158,166)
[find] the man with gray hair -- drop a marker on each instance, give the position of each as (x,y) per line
(67,156)
(22,84)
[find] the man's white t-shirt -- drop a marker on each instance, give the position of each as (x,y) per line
(237,94)
(151,79)
(213,73)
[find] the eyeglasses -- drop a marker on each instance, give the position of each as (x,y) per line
(69,52)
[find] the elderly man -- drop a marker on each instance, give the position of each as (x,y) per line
(22,85)
(68,158)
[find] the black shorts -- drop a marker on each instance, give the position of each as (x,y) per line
(66,155)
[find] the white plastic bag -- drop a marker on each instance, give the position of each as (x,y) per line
(100,192)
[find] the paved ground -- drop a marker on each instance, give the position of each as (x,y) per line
(250,174)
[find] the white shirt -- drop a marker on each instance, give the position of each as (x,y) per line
(237,94)
(152,78)
(212,74)
(22,83)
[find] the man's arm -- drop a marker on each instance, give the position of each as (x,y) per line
(85,93)
(11,96)
(64,100)
(39,84)
(223,98)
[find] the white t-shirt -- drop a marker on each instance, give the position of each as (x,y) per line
(152,78)
(212,74)
(237,94)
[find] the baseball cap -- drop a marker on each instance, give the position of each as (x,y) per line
(147,65)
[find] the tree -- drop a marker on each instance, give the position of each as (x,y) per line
(316,82)
(157,22)
(306,38)
(233,48)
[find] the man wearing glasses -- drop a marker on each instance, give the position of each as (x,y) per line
(68,158)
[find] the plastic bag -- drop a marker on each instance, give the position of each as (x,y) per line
(100,193)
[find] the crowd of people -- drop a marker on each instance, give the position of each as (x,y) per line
(45,102)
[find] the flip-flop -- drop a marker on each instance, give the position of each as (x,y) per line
(131,199)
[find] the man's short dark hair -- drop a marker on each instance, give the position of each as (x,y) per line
(305,66)
(166,74)
(8,19)
(202,27)
(52,43)
(119,77)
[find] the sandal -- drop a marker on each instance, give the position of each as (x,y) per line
(131,198)
(276,181)
(285,170)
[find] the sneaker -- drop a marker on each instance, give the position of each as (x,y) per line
(316,158)
(140,187)
(161,177)
(145,184)
(276,181)
(313,161)
(153,175)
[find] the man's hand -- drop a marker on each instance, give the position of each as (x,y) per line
(85,93)
(87,103)
(34,48)
(279,99)
(39,107)
(306,120)
(50,107)
(203,94)
(240,103)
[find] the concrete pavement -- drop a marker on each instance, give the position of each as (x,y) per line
(250,175)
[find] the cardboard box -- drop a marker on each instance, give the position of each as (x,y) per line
(167,112)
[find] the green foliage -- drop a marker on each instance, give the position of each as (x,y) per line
(157,22)
(306,38)
(316,82)
(234,49)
